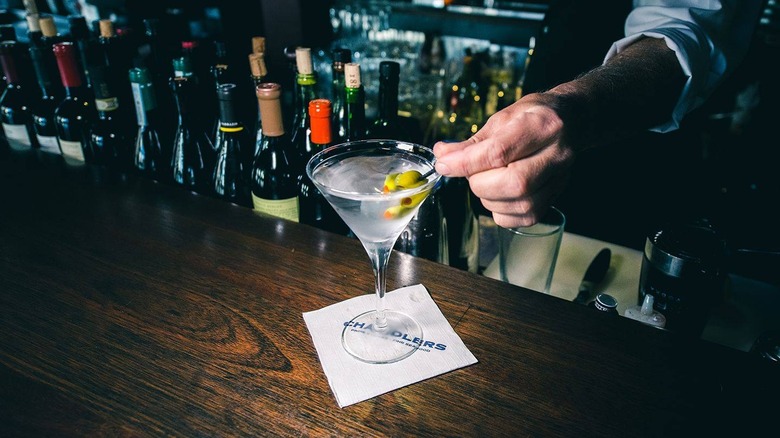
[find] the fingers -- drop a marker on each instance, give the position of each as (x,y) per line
(506,138)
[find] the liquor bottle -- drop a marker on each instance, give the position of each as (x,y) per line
(34,33)
(111,134)
(388,124)
(355,101)
(307,81)
(15,112)
(157,53)
(258,72)
(230,178)
(51,92)
(75,113)
(274,177)
(341,57)
(191,161)
(148,151)
(315,210)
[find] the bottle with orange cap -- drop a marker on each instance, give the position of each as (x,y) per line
(314,208)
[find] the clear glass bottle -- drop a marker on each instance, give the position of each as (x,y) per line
(274,175)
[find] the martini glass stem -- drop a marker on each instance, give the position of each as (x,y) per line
(379,255)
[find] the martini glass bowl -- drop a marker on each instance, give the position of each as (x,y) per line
(358,179)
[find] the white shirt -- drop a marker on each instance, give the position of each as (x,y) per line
(710,38)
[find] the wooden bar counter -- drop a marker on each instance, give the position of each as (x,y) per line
(146,310)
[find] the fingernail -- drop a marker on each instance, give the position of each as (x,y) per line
(442,169)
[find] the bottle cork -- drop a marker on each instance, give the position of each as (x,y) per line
(303,60)
(106,28)
(258,44)
(352,75)
(33,22)
(47,26)
(257,65)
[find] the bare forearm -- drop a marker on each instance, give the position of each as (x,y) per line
(633,91)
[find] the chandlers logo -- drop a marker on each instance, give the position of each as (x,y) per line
(396,336)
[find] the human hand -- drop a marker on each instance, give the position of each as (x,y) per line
(517,164)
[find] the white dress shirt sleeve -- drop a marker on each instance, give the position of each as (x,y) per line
(710,38)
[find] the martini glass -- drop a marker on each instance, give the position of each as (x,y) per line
(352,176)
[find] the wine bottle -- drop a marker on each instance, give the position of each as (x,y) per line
(82,38)
(230,177)
(34,33)
(50,86)
(191,162)
(219,75)
(307,81)
(462,223)
(258,72)
(118,59)
(75,113)
(315,210)
(15,101)
(355,100)
(274,178)
(111,133)
(148,150)
(388,124)
(341,56)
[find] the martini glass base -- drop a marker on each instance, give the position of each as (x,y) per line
(364,340)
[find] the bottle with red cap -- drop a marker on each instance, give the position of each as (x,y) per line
(76,112)
(315,210)
(15,101)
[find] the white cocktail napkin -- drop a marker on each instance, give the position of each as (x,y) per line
(352,380)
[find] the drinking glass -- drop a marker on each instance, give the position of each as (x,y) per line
(353,177)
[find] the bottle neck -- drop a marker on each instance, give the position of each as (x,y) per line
(228,119)
(271,110)
(306,93)
(388,100)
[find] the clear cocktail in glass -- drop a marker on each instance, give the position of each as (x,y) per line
(357,178)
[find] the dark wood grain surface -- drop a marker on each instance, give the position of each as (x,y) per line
(145,310)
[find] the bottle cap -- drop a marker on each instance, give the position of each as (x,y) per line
(257,64)
(389,69)
(189,45)
(605,303)
(303,61)
(268,91)
(352,75)
(106,28)
(47,26)
(66,60)
(342,55)
(319,113)
(226,91)
(7,49)
(258,44)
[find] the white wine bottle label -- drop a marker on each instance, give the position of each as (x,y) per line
(283,208)
(49,144)
(107,104)
(17,137)
(71,152)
